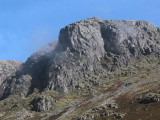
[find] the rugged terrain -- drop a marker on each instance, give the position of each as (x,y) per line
(98,69)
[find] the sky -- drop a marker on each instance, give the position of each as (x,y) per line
(28,25)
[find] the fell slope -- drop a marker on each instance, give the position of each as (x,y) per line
(98,69)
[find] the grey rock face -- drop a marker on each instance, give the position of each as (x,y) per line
(84,45)
(83,37)
(78,54)
(130,38)
(85,48)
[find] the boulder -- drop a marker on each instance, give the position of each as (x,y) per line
(150,98)
(42,103)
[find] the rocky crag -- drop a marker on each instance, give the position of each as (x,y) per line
(8,68)
(91,69)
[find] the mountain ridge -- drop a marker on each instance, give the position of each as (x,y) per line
(88,54)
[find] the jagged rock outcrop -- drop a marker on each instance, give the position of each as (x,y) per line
(85,48)
(42,103)
(150,98)
(8,68)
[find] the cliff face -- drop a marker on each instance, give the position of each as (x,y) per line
(85,48)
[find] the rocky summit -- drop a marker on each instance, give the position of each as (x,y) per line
(97,70)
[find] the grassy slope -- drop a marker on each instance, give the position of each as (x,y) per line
(144,78)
